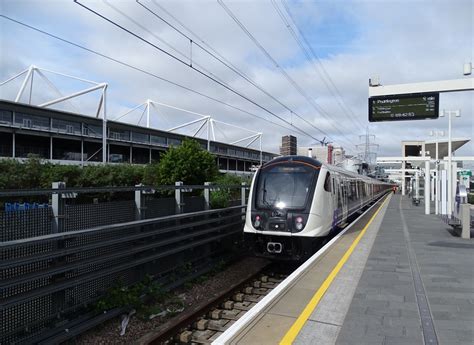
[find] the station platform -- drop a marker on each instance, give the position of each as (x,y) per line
(396,276)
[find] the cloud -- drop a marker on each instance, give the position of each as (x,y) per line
(400,41)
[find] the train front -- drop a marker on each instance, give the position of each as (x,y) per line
(279,207)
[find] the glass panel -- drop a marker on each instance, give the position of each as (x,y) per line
(140,137)
(285,186)
(92,130)
(174,142)
(158,140)
(31,121)
(118,134)
(62,126)
(6,117)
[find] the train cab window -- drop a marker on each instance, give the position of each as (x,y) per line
(327,183)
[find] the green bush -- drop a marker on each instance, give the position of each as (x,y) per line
(221,198)
(188,163)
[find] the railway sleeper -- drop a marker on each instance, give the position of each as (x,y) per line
(238,297)
(228,305)
(253,298)
(232,314)
(185,337)
(202,337)
(202,324)
(245,305)
(269,285)
(219,325)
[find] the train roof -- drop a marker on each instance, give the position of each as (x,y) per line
(293,158)
(316,163)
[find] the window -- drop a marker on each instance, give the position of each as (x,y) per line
(6,117)
(69,127)
(327,183)
(174,142)
(140,137)
(158,140)
(118,134)
(285,186)
(32,121)
(92,130)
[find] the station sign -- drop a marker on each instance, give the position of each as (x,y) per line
(415,106)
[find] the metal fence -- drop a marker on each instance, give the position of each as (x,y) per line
(55,262)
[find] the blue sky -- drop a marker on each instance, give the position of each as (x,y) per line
(400,41)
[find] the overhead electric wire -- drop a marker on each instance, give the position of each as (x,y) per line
(158,38)
(138,69)
(229,65)
(192,67)
(316,106)
(324,75)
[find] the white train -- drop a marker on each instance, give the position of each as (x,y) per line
(295,202)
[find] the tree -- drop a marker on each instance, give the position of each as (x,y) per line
(188,163)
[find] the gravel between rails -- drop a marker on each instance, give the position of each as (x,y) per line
(109,332)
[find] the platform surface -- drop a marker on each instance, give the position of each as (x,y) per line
(385,309)
(409,280)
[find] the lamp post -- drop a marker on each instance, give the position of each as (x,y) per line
(437,134)
(449,113)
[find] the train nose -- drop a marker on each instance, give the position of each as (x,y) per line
(274,247)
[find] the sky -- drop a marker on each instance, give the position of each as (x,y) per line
(320,88)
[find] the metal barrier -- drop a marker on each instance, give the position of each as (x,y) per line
(57,265)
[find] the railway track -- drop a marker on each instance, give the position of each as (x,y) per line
(206,322)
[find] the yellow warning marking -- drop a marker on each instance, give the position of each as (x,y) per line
(313,303)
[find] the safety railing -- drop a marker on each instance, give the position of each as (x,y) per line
(51,278)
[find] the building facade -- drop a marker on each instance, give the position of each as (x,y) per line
(69,138)
(288,145)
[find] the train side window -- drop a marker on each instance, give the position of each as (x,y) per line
(327,183)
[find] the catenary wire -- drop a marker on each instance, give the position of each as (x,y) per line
(138,69)
(226,63)
(324,74)
(174,57)
(231,67)
(316,106)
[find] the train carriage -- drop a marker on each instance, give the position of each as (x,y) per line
(296,202)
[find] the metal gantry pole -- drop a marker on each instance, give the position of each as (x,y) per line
(104,126)
(147,113)
(25,82)
(427,187)
(436,191)
(450,170)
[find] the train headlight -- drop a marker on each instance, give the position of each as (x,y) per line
(257,222)
(299,223)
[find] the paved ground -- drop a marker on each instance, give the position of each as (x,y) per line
(324,324)
(385,308)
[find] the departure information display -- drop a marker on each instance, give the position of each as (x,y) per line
(418,106)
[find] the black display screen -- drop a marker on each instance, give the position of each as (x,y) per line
(418,106)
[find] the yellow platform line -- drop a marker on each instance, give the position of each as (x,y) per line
(313,303)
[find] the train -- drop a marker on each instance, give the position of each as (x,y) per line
(296,203)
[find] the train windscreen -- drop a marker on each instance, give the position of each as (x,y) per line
(285,186)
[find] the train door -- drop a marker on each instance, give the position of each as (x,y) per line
(345,201)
